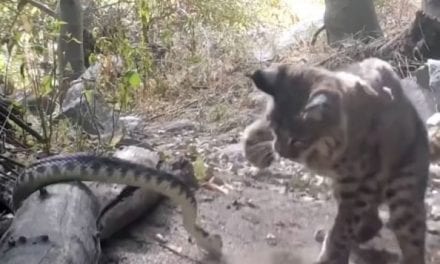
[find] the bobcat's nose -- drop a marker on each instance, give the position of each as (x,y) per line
(285,148)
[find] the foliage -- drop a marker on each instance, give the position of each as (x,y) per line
(163,50)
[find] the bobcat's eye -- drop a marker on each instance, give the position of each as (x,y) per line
(297,143)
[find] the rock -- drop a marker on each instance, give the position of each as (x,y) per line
(176,127)
(434,174)
(433,120)
(271,239)
(434,206)
(140,155)
(130,122)
(428,77)
(31,103)
(95,117)
(422,76)
(319,235)
(129,141)
(273,42)
(251,218)
(433,227)
(423,99)
(434,74)
(233,153)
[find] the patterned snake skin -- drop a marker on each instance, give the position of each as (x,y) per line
(87,167)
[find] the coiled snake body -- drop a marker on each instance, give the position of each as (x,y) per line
(87,167)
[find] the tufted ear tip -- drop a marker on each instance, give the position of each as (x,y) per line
(264,80)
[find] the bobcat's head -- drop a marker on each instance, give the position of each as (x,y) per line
(306,113)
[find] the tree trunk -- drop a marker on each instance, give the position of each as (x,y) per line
(351,18)
(70,42)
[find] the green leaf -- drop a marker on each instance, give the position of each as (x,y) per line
(134,80)
(46,85)
(116,139)
(39,49)
(93,58)
(199,168)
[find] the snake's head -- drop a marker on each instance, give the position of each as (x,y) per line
(214,246)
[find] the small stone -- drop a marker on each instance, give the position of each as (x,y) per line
(433,227)
(435,212)
(251,204)
(433,120)
(22,239)
(307,198)
(160,238)
(130,122)
(252,218)
(271,239)
(142,155)
(280,224)
(11,242)
(319,235)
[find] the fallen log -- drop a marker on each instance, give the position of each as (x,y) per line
(122,205)
(59,227)
(65,215)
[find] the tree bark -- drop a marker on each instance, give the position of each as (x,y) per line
(351,18)
(70,42)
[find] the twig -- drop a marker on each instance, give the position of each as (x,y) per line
(212,185)
(43,8)
(6,113)
(16,163)
(315,36)
(178,253)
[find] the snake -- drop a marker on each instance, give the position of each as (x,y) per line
(91,167)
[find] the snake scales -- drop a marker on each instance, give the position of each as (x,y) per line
(87,167)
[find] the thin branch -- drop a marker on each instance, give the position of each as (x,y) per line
(43,8)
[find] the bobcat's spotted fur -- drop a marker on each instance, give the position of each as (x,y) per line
(356,126)
(434,143)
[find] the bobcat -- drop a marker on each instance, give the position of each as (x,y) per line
(434,143)
(356,126)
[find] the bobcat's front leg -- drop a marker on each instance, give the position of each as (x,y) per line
(258,144)
(337,242)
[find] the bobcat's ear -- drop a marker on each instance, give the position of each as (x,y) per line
(317,107)
(265,80)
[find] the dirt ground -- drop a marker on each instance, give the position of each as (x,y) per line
(268,217)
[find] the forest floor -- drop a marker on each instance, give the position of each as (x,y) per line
(266,217)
